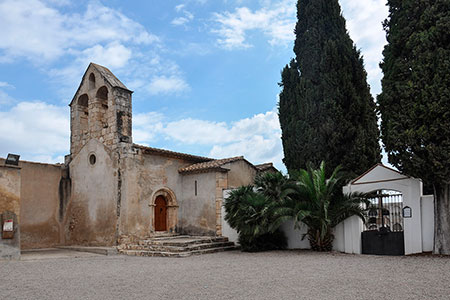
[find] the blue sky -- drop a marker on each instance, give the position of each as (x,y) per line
(204,72)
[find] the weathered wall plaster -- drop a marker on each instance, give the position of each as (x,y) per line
(241,173)
(10,208)
(40,226)
(146,176)
(91,213)
(198,212)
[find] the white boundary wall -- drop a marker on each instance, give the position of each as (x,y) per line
(294,235)
(227,231)
(427,215)
(418,230)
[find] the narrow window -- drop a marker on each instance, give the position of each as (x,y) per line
(195,185)
(92,81)
(92,159)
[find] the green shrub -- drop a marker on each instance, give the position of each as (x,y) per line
(268,241)
(250,211)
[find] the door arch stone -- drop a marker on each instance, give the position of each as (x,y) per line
(171,209)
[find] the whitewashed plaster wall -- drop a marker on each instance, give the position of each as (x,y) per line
(227,231)
(384,178)
(427,214)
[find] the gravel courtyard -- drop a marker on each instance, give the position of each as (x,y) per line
(227,275)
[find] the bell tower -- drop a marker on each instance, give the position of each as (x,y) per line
(100,109)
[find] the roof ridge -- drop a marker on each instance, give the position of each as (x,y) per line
(114,81)
(174,153)
(212,164)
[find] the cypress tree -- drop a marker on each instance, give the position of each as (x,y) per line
(326,111)
(415,100)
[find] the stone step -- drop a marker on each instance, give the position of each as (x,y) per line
(176,254)
(178,248)
(96,250)
(164,235)
(183,241)
(172,237)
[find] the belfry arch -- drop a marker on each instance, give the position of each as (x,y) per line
(102,106)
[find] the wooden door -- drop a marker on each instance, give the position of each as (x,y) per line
(160,214)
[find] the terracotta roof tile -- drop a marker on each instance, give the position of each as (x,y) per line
(265,166)
(210,165)
(151,150)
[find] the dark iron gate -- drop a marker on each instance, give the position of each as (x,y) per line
(383,234)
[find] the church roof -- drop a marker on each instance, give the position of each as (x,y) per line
(265,167)
(106,74)
(211,165)
(164,152)
(109,76)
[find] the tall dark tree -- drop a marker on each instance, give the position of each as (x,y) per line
(415,99)
(326,111)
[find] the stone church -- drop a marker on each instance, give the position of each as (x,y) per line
(109,188)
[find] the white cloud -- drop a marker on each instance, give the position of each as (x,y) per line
(188,16)
(5,98)
(257,149)
(364,23)
(179,7)
(257,138)
(39,31)
(146,126)
(26,129)
(114,55)
(34,130)
(193,131)
(59,2)
(5,84)
(33,29)
(167,85)
(275,19)
(179,21)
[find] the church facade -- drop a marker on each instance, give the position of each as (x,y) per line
(110,189)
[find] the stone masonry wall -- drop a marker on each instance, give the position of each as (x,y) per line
(100,111)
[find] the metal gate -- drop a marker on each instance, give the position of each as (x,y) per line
(383,233)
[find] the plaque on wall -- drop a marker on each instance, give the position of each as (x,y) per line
(407,212)
(8,229)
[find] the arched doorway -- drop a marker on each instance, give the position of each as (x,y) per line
(383,232)
(164,211)
(160,213)
(400,208)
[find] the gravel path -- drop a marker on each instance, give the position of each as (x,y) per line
(228,275)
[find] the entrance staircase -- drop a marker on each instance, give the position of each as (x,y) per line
(172,245)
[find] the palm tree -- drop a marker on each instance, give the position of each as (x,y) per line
(250,210)
(247,211)
(319,204)
(275,186)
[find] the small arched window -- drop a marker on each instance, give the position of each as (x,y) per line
(83,100)
(102,95)
(91,81)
